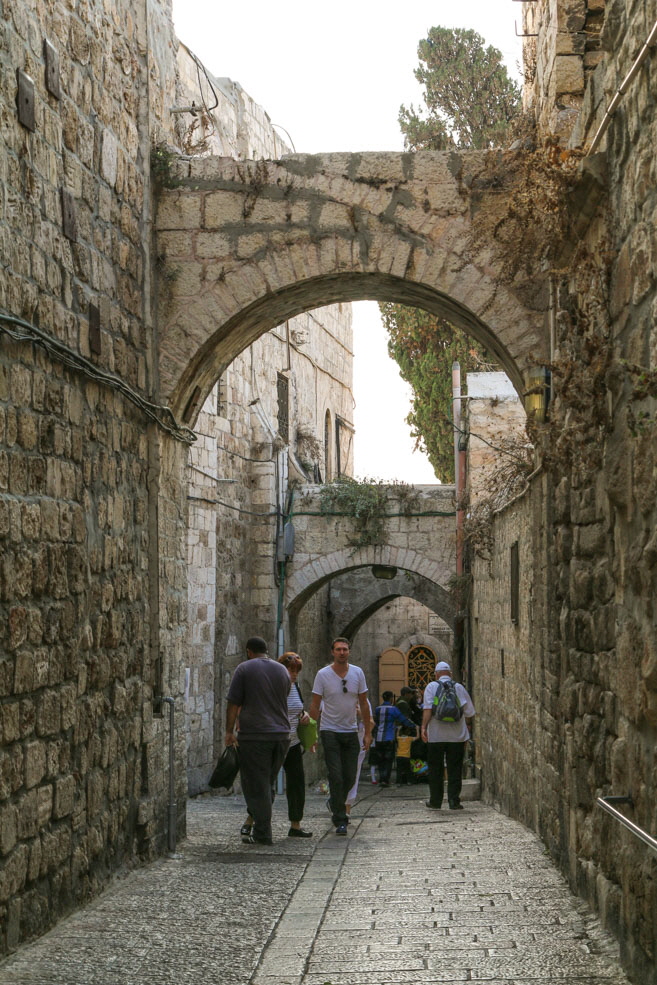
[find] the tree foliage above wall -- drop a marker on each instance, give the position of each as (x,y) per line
(470,98)
(425,347)
(471,103)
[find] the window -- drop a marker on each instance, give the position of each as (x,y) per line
(222,397)
(283,387)
(515,583)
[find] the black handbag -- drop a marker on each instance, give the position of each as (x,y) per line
(226,769)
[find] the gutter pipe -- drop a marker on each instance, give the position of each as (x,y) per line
(622,89)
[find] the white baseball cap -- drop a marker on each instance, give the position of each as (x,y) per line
(442,666)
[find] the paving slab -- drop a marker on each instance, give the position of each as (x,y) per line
(408,896)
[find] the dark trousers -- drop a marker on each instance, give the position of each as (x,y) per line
(386,754)
(341,758)
(403,770)
(295,782)
(260,762)
(439,755)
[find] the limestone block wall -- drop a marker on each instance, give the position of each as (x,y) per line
(560,60)
(583,723)
(88,629)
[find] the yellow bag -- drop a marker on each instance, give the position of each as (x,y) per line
(404,746)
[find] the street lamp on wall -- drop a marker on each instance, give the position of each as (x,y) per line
(537,393)
(384,571)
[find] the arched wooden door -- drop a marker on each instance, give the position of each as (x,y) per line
(392,671)
(421,666)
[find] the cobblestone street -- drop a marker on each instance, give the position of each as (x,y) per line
(410,896)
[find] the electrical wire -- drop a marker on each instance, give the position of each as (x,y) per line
(161,415)
(238,509)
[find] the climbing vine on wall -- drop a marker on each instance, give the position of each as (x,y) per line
(367,501)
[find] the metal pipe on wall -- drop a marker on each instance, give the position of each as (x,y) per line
(173,816)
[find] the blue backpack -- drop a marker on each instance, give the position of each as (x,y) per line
(446,705)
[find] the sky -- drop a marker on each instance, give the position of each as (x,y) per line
(333,76)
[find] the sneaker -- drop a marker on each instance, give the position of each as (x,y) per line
(252,840)
(299,833)
(432,807)
(456,806)
(341,829)
(246,829)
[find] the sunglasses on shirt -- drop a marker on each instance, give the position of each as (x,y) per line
(344,687)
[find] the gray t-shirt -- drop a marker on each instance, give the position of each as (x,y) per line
(260,687)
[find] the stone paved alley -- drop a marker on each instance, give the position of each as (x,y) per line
(410,896)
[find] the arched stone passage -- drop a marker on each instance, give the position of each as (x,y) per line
(245,245)
(314,573)
(357,595)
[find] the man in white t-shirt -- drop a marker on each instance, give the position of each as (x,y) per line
(446,742)
(337,691)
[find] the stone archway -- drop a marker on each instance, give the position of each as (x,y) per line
(314,573)
(357,595)
(245,245)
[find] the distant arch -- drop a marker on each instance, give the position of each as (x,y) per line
(317,571)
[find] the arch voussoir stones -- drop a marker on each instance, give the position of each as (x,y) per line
(251,243)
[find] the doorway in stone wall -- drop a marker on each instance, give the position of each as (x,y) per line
(398,669)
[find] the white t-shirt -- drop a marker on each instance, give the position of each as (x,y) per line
(448,731)
(338,707)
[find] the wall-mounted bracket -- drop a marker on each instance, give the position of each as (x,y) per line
(51,58)
(69,220)
(25,100)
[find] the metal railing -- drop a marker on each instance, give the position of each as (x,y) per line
(606,803)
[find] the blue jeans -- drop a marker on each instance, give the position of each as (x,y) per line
(341,756)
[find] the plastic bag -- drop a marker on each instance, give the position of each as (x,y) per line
(308,734)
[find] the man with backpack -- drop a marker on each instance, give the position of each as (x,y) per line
(446,713)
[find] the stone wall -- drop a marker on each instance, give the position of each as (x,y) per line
(88,634)
(573,717)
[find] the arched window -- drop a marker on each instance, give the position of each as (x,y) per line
(421,666)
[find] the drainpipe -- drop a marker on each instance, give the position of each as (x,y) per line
(622,89)
(456,417)
(173,815)
(459,481)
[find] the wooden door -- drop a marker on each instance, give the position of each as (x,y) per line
(392,671)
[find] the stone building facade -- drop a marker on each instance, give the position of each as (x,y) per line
(565,673)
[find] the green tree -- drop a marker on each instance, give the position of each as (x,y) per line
(471,102)
(470,99)
(424,347)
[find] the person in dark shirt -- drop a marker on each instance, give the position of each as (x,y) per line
(258,694)
(386,720)
(407,703)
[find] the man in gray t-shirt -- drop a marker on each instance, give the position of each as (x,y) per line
(258,694)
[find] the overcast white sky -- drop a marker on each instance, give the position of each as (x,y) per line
(334,75)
